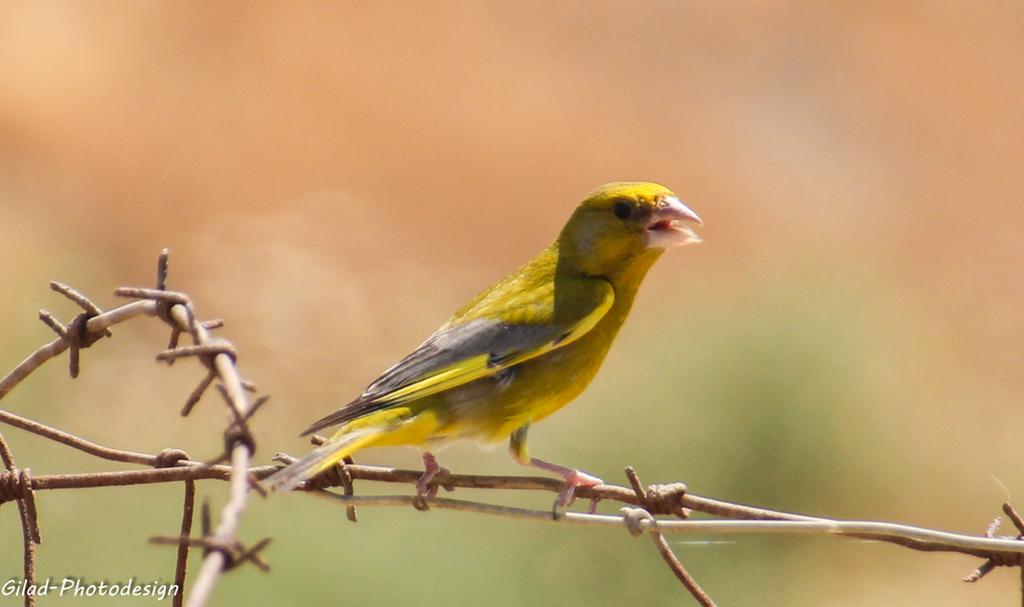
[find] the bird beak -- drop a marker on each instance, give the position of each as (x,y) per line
(666,227)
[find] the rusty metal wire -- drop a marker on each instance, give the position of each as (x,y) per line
(1002,560)
(224,551)
(17,485)
(217,355)
(646,499)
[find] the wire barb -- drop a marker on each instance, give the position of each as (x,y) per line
(83,302)
(53,323)
(173,297)
(162,265)
(1015,518)
(994,561)
(197,394)
(658,499)
(234,553)
(205,352)
(340,475)
(76,335)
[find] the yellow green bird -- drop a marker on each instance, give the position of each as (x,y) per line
(520,350)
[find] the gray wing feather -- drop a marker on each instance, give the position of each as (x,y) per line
(455,343)
(448,345)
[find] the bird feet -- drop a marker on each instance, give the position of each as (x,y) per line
(573,478)
(423,487)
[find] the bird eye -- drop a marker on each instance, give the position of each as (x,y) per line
(623,209)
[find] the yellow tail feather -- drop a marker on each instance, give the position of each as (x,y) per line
(322,458)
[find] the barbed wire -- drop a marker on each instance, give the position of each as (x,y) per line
(219,358)
(642,506)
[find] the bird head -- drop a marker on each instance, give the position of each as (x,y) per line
(619,222)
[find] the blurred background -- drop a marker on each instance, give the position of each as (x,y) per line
(335,179)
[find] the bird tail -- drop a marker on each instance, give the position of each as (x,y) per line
(323,457)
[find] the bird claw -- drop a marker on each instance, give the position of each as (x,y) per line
(424,486)
(573,479)
(427,487)
(422,489)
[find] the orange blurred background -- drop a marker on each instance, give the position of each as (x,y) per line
(335,178)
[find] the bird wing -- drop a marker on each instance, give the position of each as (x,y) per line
(527,325)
